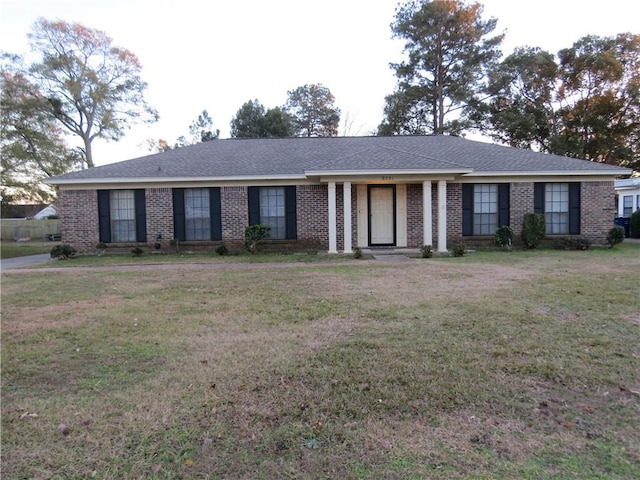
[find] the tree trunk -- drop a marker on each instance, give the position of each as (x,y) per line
(88,154)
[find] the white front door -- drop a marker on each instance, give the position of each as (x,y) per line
(381,215)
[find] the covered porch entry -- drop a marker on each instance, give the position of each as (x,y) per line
(380,217)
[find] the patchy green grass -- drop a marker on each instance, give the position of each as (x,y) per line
(494,365)
(20,249)
(125,258)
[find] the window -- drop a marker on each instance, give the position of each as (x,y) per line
(627,205)
(272,211)
(197,214)
(276,207)
(560,205)
(485,207)
(556,208)
(197,220)
(121,216)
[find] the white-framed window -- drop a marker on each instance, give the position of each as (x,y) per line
(485,208)
(627,205)
(556,208)
(123,215)
(197,214)
(272,211)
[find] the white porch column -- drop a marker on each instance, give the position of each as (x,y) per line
(442,216)
(346,197)
(332,219)
(427,216)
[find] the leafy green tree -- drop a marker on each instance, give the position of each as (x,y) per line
(253,121)
(277,123)
(248,122)
(200,131)
(449,52)
(89,86)
(521,111)
(584,104)
(312,111)
(599,99)
(32,147)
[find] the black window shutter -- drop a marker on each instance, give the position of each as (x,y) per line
(538,197)
(253,197)
(467,209)
(574,208)
(141,215)
(178,215)
(104,216)
(215,213)
(290,212)
(504,204)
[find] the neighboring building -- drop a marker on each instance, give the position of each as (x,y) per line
(46,212)
(335,193)
(628,192)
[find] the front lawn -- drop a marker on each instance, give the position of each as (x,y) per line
(494,365)
(10,249)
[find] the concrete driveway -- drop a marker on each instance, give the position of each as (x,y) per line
(20,262)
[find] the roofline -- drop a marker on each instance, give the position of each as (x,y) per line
(324,173)
(119,180)
(465,172)
(605,173)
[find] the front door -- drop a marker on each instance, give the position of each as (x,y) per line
(382,221)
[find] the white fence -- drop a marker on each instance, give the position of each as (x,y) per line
(23,229)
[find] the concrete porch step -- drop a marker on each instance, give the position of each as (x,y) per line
(391,253)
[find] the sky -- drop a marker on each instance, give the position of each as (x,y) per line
(215,55)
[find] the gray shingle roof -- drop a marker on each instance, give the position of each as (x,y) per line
(253,158)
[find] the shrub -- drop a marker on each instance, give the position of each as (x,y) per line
(175,244)
(63,252)
(573,243)
(634,225)
(357,252)
(615,236)
(137,252)
(426,251)
(533,229)
(458,249)
(504,236)
(254,234)
(222,250)
(101,247)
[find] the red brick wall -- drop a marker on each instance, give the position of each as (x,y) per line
(414,215)
(598,210)
(80,214)
(159,205)
(313,211)
(79,218)
(521,203)
(454,213)
(235,213)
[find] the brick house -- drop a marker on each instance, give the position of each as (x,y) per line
(334,194)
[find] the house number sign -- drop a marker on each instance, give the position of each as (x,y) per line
(388,177)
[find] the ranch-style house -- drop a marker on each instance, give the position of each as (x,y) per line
(334,194)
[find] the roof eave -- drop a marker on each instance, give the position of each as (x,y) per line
(603,173)
(391,171)
(120,180)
